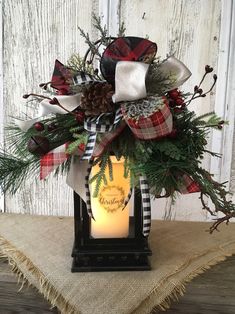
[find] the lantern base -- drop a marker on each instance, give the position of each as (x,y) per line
(109,254)
(111,259)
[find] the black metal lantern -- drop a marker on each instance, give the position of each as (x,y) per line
(109,254)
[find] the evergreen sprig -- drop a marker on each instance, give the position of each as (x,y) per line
(100,176)
(15,171)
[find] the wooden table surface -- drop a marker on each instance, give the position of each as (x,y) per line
(210,293)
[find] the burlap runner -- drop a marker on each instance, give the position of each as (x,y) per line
(39,250)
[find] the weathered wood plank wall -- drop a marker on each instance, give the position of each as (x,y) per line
(189,29)
(37,32)
(1,98)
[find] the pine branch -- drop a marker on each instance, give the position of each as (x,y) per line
(91,44)
(110,167)
(97,23)
(100,175)
(15,171)
(122,29)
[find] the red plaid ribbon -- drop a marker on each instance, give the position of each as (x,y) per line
(52,160)
(126,49)
(57,156)
(61,77)
(157,125)
(188,185)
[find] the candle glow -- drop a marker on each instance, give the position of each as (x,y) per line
(111,220)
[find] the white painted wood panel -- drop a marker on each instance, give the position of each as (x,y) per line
(35,34)
(1,98)
(190,29)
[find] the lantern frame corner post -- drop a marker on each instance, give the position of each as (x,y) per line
(109,254)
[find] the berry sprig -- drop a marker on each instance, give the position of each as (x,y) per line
(61,81)
(52,101)
(198,91)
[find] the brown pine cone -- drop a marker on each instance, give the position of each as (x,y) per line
(97,99)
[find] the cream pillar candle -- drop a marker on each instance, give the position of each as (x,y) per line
(111,221)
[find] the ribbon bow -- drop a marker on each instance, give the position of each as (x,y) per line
(129,86)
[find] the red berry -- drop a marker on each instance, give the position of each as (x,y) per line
(171,103)
(196,88)
(39,126)
(174,93)
(82,146)
(62,91)
(53,101)
(179,101)
(52,127)
(80,116)
(177,110)
(208,69)
(173,134)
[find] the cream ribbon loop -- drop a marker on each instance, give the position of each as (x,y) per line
(175,70)
(130,81)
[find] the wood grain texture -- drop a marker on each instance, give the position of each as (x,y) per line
(210,293)
(27,300)
(224,105)
(190,29)
(1,96)
(35,34)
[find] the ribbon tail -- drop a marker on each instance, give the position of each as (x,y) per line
(90,146)
(52,160)
(76,176)
(87,188)
(146,205)
(127,199)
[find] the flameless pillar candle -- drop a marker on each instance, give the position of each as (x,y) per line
(111,221)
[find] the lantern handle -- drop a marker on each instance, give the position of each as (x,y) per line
(93,53)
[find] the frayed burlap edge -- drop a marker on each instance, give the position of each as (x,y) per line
(17,258)
(178,290)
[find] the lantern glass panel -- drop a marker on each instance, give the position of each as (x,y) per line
(111,216)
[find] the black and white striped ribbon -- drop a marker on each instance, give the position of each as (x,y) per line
(146,205)
(83,78)
(87,189)
(94,126)
(90,146)
(127,199)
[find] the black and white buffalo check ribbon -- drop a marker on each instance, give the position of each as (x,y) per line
(83,78)
(127,199)
(94,126)
(146,205)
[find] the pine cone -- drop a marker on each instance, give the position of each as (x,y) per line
(97,99)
